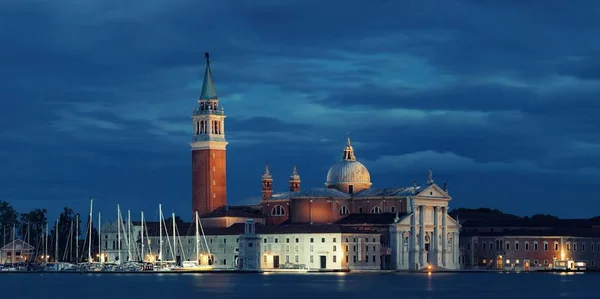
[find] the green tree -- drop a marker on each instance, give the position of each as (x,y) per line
(9,218)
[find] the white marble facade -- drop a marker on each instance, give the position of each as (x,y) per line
(426,235)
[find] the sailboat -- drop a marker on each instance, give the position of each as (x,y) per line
(193,266)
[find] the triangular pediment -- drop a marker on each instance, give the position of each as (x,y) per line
(433,191)
(17,245)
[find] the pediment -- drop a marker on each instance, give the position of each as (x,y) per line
(433,191)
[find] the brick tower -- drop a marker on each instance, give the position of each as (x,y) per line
(267,184)
(209,190)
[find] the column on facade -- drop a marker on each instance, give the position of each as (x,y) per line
(412,243)
(423,256)
(444,236)
(436,232)
(222,122)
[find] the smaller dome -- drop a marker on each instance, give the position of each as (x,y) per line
(348,175)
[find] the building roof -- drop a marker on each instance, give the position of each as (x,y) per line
(18,245)
(235,211)
(540,232)
(334,193)
(189,229)
(364,218)
(348,170)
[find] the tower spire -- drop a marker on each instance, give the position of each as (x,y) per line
(208,87)
(267,184)
(294,180)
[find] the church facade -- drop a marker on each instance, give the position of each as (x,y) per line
(415,229)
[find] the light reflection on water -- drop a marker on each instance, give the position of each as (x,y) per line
(292,286)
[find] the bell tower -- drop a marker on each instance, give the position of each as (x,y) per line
(295,180)
(208,144)
(267,184)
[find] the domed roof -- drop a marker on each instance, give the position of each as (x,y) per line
(348,170)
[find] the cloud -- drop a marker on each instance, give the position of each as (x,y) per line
(97,97)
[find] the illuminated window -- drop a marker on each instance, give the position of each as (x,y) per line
(278,211)
(344,211)
(507,261)
(376,210)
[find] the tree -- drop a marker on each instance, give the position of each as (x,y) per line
(67,245)
(8,220)
(33,228)
(177,220)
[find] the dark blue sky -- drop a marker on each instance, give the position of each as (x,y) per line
(500,98)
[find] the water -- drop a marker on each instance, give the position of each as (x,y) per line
(306,286)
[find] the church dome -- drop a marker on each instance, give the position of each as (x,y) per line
(348,175)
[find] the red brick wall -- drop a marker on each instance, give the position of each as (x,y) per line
(267,207)
(206,169)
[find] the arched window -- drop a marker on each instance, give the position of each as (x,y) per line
(344,211)
(278,211)
(376,210)
(393,209)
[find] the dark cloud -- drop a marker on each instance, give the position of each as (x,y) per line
(501,95)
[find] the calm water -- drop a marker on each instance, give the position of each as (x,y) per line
(311,286)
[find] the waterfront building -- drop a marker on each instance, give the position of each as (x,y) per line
(250,246)
(17,251)
(514,243)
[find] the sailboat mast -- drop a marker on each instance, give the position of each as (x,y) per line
(77,238)
(197,240)
(90,235)
(99,238)
(119,231)
(46,245)
(142,253)
(204,237)
(56,242)
(174,236)
(128,235)
(12,256)
(160,240)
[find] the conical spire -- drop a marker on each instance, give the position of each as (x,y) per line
(295,175)
(267,174)
(208,87)
(349,152)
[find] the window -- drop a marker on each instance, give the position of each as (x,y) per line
(491,245)
(483,245)
(312,240)
(297,259)
(568,246)
(376,210)
(517,245)
(276,240)
(507,245)
(545,246)
(346,248)
(354,259)
(367,248)
(582,246)
(278,211)
(296,248)
(535,246)
(311,248)
(574,246)
(334,240)
(526,246)
(287,240)
(360,210)
(393,209)
(344,211)
(250,244)
(334,248)
(322,240)
(335,259)
(346,259)
(351,189)
(287,259)
(264,258)
(297,240)
(555,246)
(374,248)
(224,261)
(311,258)
(375,240)
(265,240)
(287,248)
(366,258)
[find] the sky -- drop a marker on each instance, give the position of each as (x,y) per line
(499,98)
